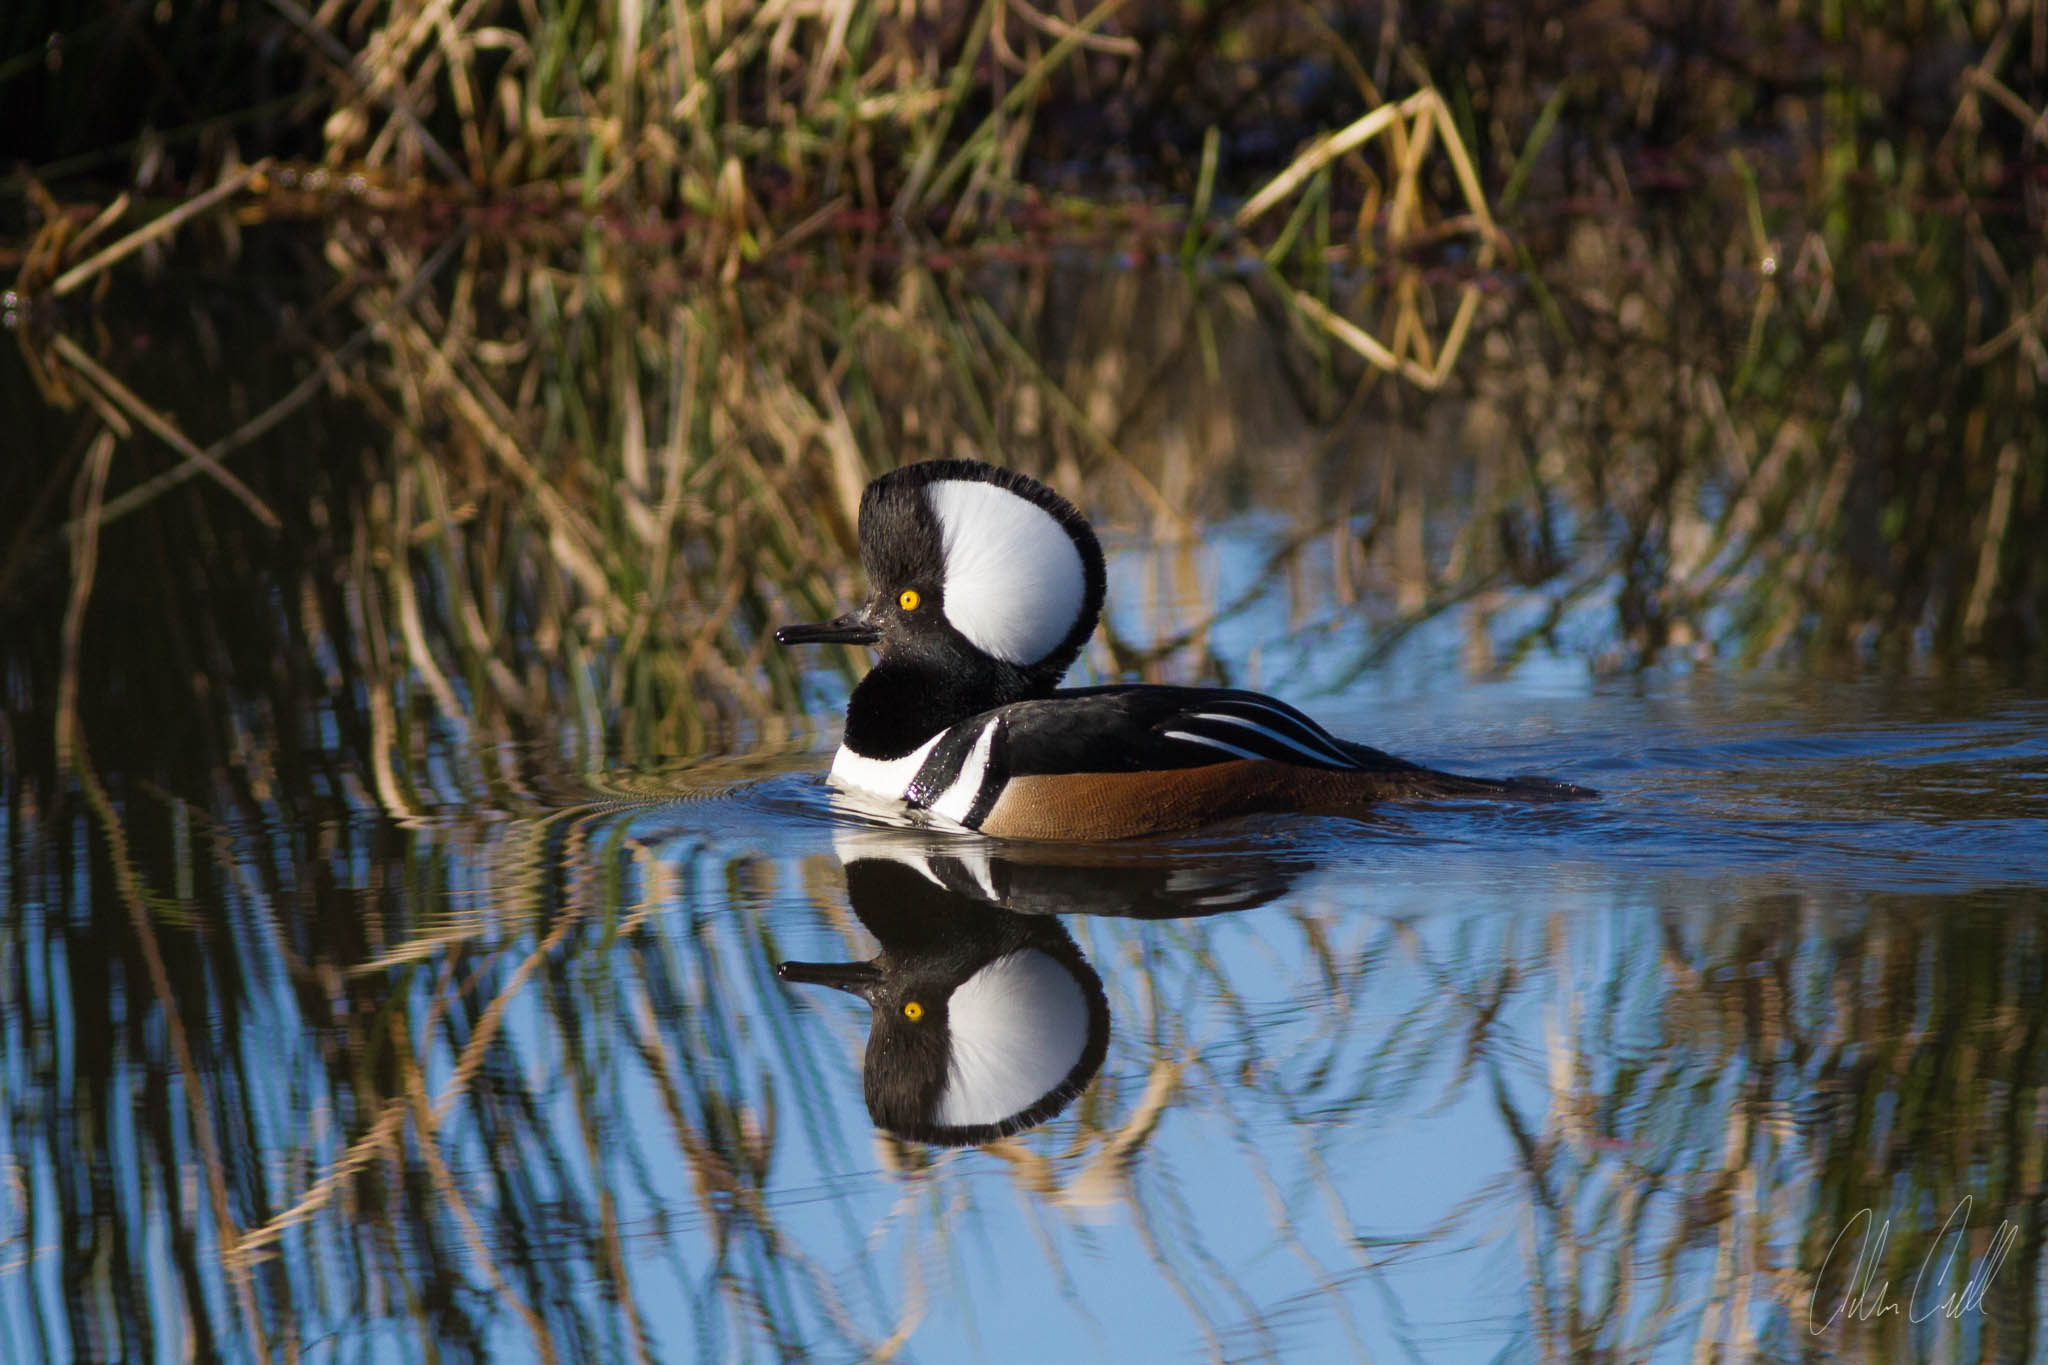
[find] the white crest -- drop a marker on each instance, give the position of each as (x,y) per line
(1019,1027)
(1015,583)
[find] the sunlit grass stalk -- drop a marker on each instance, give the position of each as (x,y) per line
(1205,186)
(914,192)
(981,144)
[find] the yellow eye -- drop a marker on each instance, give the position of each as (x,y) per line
(909,600)
(913,1011)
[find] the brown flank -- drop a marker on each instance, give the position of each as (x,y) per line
(1089,806)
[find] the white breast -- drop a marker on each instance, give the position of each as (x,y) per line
(888,778)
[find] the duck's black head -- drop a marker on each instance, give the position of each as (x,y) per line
(984,1022)
(984,584)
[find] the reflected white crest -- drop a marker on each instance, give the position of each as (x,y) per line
(1015,583)
(1019,1027)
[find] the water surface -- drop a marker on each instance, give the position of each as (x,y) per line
(518,1081)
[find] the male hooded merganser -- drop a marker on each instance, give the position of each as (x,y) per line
(985,1022)
(985,585)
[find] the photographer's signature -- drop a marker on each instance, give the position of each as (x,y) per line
(1868,1297)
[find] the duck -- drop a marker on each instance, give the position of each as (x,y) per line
(984,586)
(983,1022)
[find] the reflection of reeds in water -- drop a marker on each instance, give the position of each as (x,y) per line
(596,1081)
(471,616)
(545,484)
(1726,1138)
(457,1136)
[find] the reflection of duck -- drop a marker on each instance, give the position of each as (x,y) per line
(1155,880)
(987,1021)
(985,585)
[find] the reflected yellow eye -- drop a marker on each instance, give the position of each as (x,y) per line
(913,1011)
(909,600)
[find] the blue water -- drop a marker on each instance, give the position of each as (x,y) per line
(1466,1081)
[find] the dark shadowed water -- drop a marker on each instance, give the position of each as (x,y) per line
(1745,1058)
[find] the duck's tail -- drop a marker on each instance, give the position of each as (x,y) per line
(1413,782)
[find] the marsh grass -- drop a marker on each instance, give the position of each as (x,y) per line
(613,309)
(1745,478)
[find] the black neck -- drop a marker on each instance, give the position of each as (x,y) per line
(901,703)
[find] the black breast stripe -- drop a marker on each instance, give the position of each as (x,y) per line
(944,766)
(994,777)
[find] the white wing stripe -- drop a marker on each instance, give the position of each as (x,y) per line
(1213,744)
(1320,753)
(1301,725)
(1279,717)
